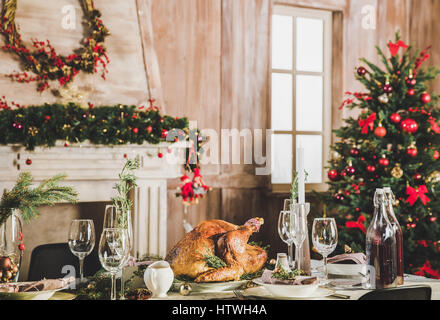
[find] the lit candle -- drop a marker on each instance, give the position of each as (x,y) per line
(301,174)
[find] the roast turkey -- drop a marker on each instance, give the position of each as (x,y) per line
(224,240)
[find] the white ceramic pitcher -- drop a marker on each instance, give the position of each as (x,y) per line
(159,278)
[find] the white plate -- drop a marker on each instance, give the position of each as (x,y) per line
(211,287)
(262,292)
(289,291)
(345,269)
(31,295)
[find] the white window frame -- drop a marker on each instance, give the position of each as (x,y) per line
(326,133)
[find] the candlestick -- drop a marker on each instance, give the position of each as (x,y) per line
(301,174)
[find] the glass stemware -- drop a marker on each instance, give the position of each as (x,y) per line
(81,241)
(299,231)
(113,253)
(285,229)
(325,238)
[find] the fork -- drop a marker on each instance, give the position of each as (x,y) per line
(239,295)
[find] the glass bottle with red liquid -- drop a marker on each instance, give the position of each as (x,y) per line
(381,247)
(398,230)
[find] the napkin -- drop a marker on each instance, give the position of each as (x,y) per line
(267,278)
(42,285)
(349,258)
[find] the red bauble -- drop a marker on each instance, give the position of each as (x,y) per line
(354,152)
(28,162)
(361,71)
(350,171)
(135,130)
(380,132)
(387,88)
(411,92)
(384,162)
(412,152)
(160,155)
(411,82)
(409,126)
(417,176)
(149,129)
(66,144)
(436,155)
(371,169)
(343,174)
(340,197)
(164,133)
(333,175)
(396,118)
(426,98)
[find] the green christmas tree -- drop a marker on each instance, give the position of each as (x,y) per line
(395,142)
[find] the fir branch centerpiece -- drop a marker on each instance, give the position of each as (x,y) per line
(27,199)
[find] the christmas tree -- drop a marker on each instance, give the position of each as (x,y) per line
(395,142)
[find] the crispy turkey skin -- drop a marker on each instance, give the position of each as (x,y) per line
(222,239)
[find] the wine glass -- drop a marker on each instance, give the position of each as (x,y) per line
(299,229)
(325,238)
(81,241)
(113,253)
(285,229)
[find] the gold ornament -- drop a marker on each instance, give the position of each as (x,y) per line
(185,289)
(397,172)
(66,127)
(383,99)
(33,131)
(434,177)
(347,249)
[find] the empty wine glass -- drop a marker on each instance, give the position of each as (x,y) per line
(285,229)
(299,229)
(113,253)
(81,241)
(325,238)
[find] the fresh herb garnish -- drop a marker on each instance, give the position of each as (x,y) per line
(214,261)
(283,274)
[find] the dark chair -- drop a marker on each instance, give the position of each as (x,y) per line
(421,292)
(48,260)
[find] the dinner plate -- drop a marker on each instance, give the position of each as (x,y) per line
(30,295)
(210,287)
(345,269)
(290,291)
(62,296)
(262,292)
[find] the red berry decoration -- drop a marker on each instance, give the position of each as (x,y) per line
(396,118)
(371,169)
(354,152)
(340,197)
(411,92)
(21,247)
(380,132)
(350,171)
(361,71)
(28,162)
(384,162)
(412,152)
(426,98)
(343,174)
(164,133)
(333,175)
(387,88)
(409,126)
(411,82)
(436,155)
(417,176)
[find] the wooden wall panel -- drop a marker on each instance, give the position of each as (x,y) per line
(126,81)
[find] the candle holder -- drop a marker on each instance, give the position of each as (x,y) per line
(302,249)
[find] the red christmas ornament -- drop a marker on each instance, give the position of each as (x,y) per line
(411,92)
(380,132)
(164,133)
(340,197)
(426,98)
(409,126)
(387,88)
(417,176)
(160,155)
(343,174)
(66,144)
(411,82)
(135,130)
(333,175)
(371,169)
(21,247)
(384,162)
(350,171)
(361,71)
(28,162)
(396,118)
(436,155)
(47,118)
(149,129)
(412,152)
(354,152)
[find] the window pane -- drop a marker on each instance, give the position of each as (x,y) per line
(281,158)
(309,100)
(310,44)
(281,117)
(312,156)
(282,42)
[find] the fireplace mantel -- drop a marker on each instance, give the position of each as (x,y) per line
(93,171)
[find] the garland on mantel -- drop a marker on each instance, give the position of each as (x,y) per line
(44,62)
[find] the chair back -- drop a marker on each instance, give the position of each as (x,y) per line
(419,292)
(53,261)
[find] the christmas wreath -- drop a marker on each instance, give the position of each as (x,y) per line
(43,61)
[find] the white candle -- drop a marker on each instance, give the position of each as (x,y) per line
(301,174)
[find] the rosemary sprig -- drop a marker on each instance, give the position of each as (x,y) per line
(27,199)
(214,261)
(283,274)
